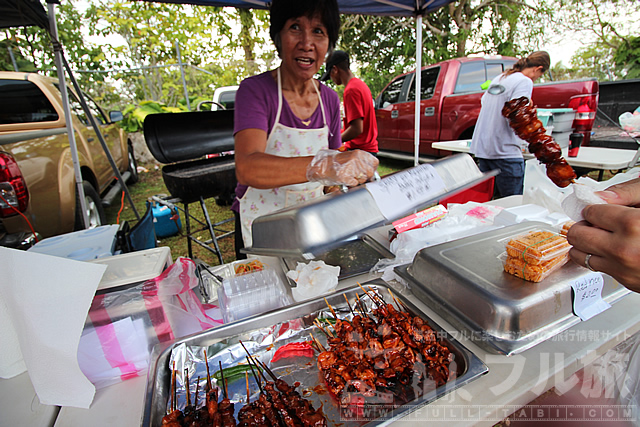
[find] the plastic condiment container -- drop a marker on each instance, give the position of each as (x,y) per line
(248,294)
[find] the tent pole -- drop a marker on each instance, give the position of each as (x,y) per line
(105,147)
(416,143)
(67,113)
(184,82)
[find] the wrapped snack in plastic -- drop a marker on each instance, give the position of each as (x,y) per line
(565,227)
(313,279)
(537,247)
(330,167)
(533,272)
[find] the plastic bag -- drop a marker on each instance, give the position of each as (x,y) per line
(123,326)
(313,279)
(174,287)
(630,122)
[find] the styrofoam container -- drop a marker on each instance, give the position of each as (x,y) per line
(134,267)
(83,245)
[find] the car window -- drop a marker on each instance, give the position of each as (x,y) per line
(493,71)
(76,108)
(228,99)
(391,94)
(96,111)
(470,77)
(428,81)
(24,102)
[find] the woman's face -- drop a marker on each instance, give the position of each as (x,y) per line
(304,46)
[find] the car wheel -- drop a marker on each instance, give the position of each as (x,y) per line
(95,211)
(133,166)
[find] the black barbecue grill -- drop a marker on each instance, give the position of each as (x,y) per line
(197,148)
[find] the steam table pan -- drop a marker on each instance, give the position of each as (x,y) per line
(262,334)
(464,282)
(315,227)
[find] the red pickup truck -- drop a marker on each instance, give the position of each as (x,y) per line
(450,103)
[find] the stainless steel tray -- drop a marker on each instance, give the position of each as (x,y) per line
(320,225)
(464,282)
(354,256)
(223,341)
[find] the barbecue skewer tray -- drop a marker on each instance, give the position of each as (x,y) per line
(264,334)
(465,283)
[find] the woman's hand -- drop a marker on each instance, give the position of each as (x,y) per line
(611,234)
(351,168)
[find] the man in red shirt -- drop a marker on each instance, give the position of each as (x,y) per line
(360,130)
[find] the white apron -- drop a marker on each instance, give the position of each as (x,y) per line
(284,141)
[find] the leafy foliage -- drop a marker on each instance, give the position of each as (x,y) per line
(628,56)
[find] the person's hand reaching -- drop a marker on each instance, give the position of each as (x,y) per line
(351,168)
(609,238)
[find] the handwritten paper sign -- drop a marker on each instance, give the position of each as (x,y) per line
(399,193)
(587,296)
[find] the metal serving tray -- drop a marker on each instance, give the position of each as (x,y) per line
(320,225)
(354,256)
(464,282)
(263,333)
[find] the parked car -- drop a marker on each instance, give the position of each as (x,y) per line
(450,102)
(224,96)
(37,179)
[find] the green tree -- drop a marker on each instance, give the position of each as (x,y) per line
(461,28)
(628,56)
(605,26)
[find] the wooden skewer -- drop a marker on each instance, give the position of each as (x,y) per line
(246,378)
(224,383)
(313,344)
(369,295)
(206,360)
(249,360)
(326,331)
(173,405)
(394,298)
(333,312)
(318,343)
(361,305)
(186,385)
(347,299)
(195,403)
(375,293)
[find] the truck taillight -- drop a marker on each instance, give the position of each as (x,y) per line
(12,187)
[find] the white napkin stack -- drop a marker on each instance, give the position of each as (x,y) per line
(44,301)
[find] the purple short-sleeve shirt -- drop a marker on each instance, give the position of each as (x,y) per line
(256,107)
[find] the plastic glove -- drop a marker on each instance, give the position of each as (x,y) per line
(330,167)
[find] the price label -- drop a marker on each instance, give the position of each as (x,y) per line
(397,194)
(587,296)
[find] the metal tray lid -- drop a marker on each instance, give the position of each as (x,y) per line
(322,224)
(465,283)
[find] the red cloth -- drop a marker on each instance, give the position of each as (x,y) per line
(358,103)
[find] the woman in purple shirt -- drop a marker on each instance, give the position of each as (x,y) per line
(287,124)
